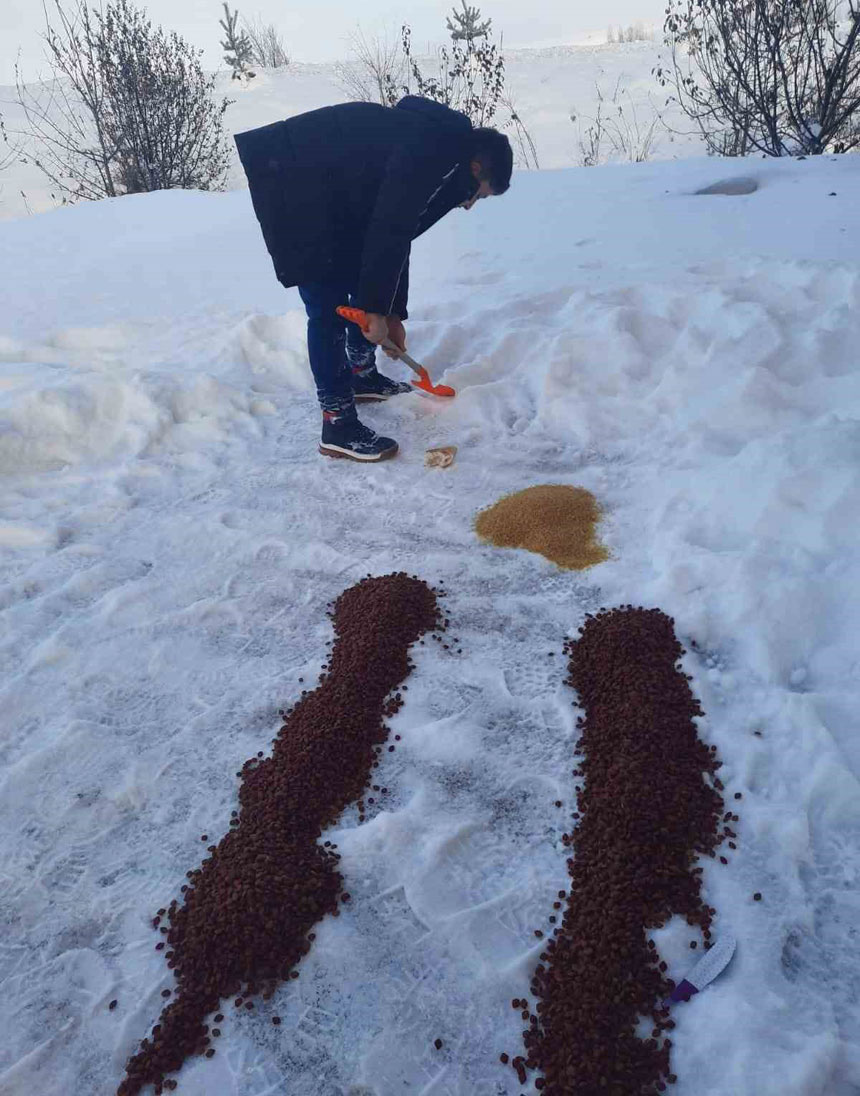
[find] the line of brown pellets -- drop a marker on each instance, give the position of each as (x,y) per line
(648,804)
(246,914)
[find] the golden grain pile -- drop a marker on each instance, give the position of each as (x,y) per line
(553,520)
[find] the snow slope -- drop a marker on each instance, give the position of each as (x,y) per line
(170,539)
(547,85)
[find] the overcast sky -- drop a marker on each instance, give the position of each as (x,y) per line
(315,30)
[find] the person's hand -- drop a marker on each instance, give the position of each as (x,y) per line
(376,330)
(397,335)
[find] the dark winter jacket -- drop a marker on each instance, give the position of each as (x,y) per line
(340,193)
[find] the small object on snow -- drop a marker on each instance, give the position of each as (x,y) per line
(423,384)
(438,1044)
(712,963)
(112,1005)
(440,457)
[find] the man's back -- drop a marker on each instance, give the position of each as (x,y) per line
(319,180)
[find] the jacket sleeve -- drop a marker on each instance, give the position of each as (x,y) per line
(401,297)
(413,173)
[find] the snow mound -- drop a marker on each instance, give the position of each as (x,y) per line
(53,417)
(275,348)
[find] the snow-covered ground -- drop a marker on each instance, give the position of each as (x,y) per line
(171,537)
(547,86)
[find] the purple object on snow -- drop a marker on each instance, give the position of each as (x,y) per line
(712,963)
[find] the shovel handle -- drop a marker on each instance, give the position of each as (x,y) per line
(359,316)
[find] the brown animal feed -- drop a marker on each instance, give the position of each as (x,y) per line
(649,805)
(554,520)
(245,919)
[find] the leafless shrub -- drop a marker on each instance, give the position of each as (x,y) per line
(374,70)
(161,116)
(616,131)
(525,152)
(592,139)
(267,45)
(127,107)
(8,150)
(779,77)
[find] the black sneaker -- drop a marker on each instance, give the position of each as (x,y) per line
(374,386)
(345,436)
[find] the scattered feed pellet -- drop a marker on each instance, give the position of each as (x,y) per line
(554,520)
(243,923)
(647,808)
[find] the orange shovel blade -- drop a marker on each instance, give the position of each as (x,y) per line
(426,385)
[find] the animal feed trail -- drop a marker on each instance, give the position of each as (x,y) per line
(649,803)
(245,919)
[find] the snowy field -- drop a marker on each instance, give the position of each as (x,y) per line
(171,537)
(547,86)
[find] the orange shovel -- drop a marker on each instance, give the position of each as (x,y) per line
(356,315)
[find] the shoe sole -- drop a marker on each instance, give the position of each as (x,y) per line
(347,454)
(369,397)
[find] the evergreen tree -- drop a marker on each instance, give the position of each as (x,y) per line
(467,25)
(238,51)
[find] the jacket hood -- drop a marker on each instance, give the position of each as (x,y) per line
(437,113)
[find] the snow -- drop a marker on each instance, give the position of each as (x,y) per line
(547,86)
(171,537)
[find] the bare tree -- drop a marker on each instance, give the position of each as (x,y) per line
(267,45)
(779,77)
(65,116)
(374,71)
(127,108)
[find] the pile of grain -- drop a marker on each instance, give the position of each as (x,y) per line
(245,919)
(648,804)
(553,520)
